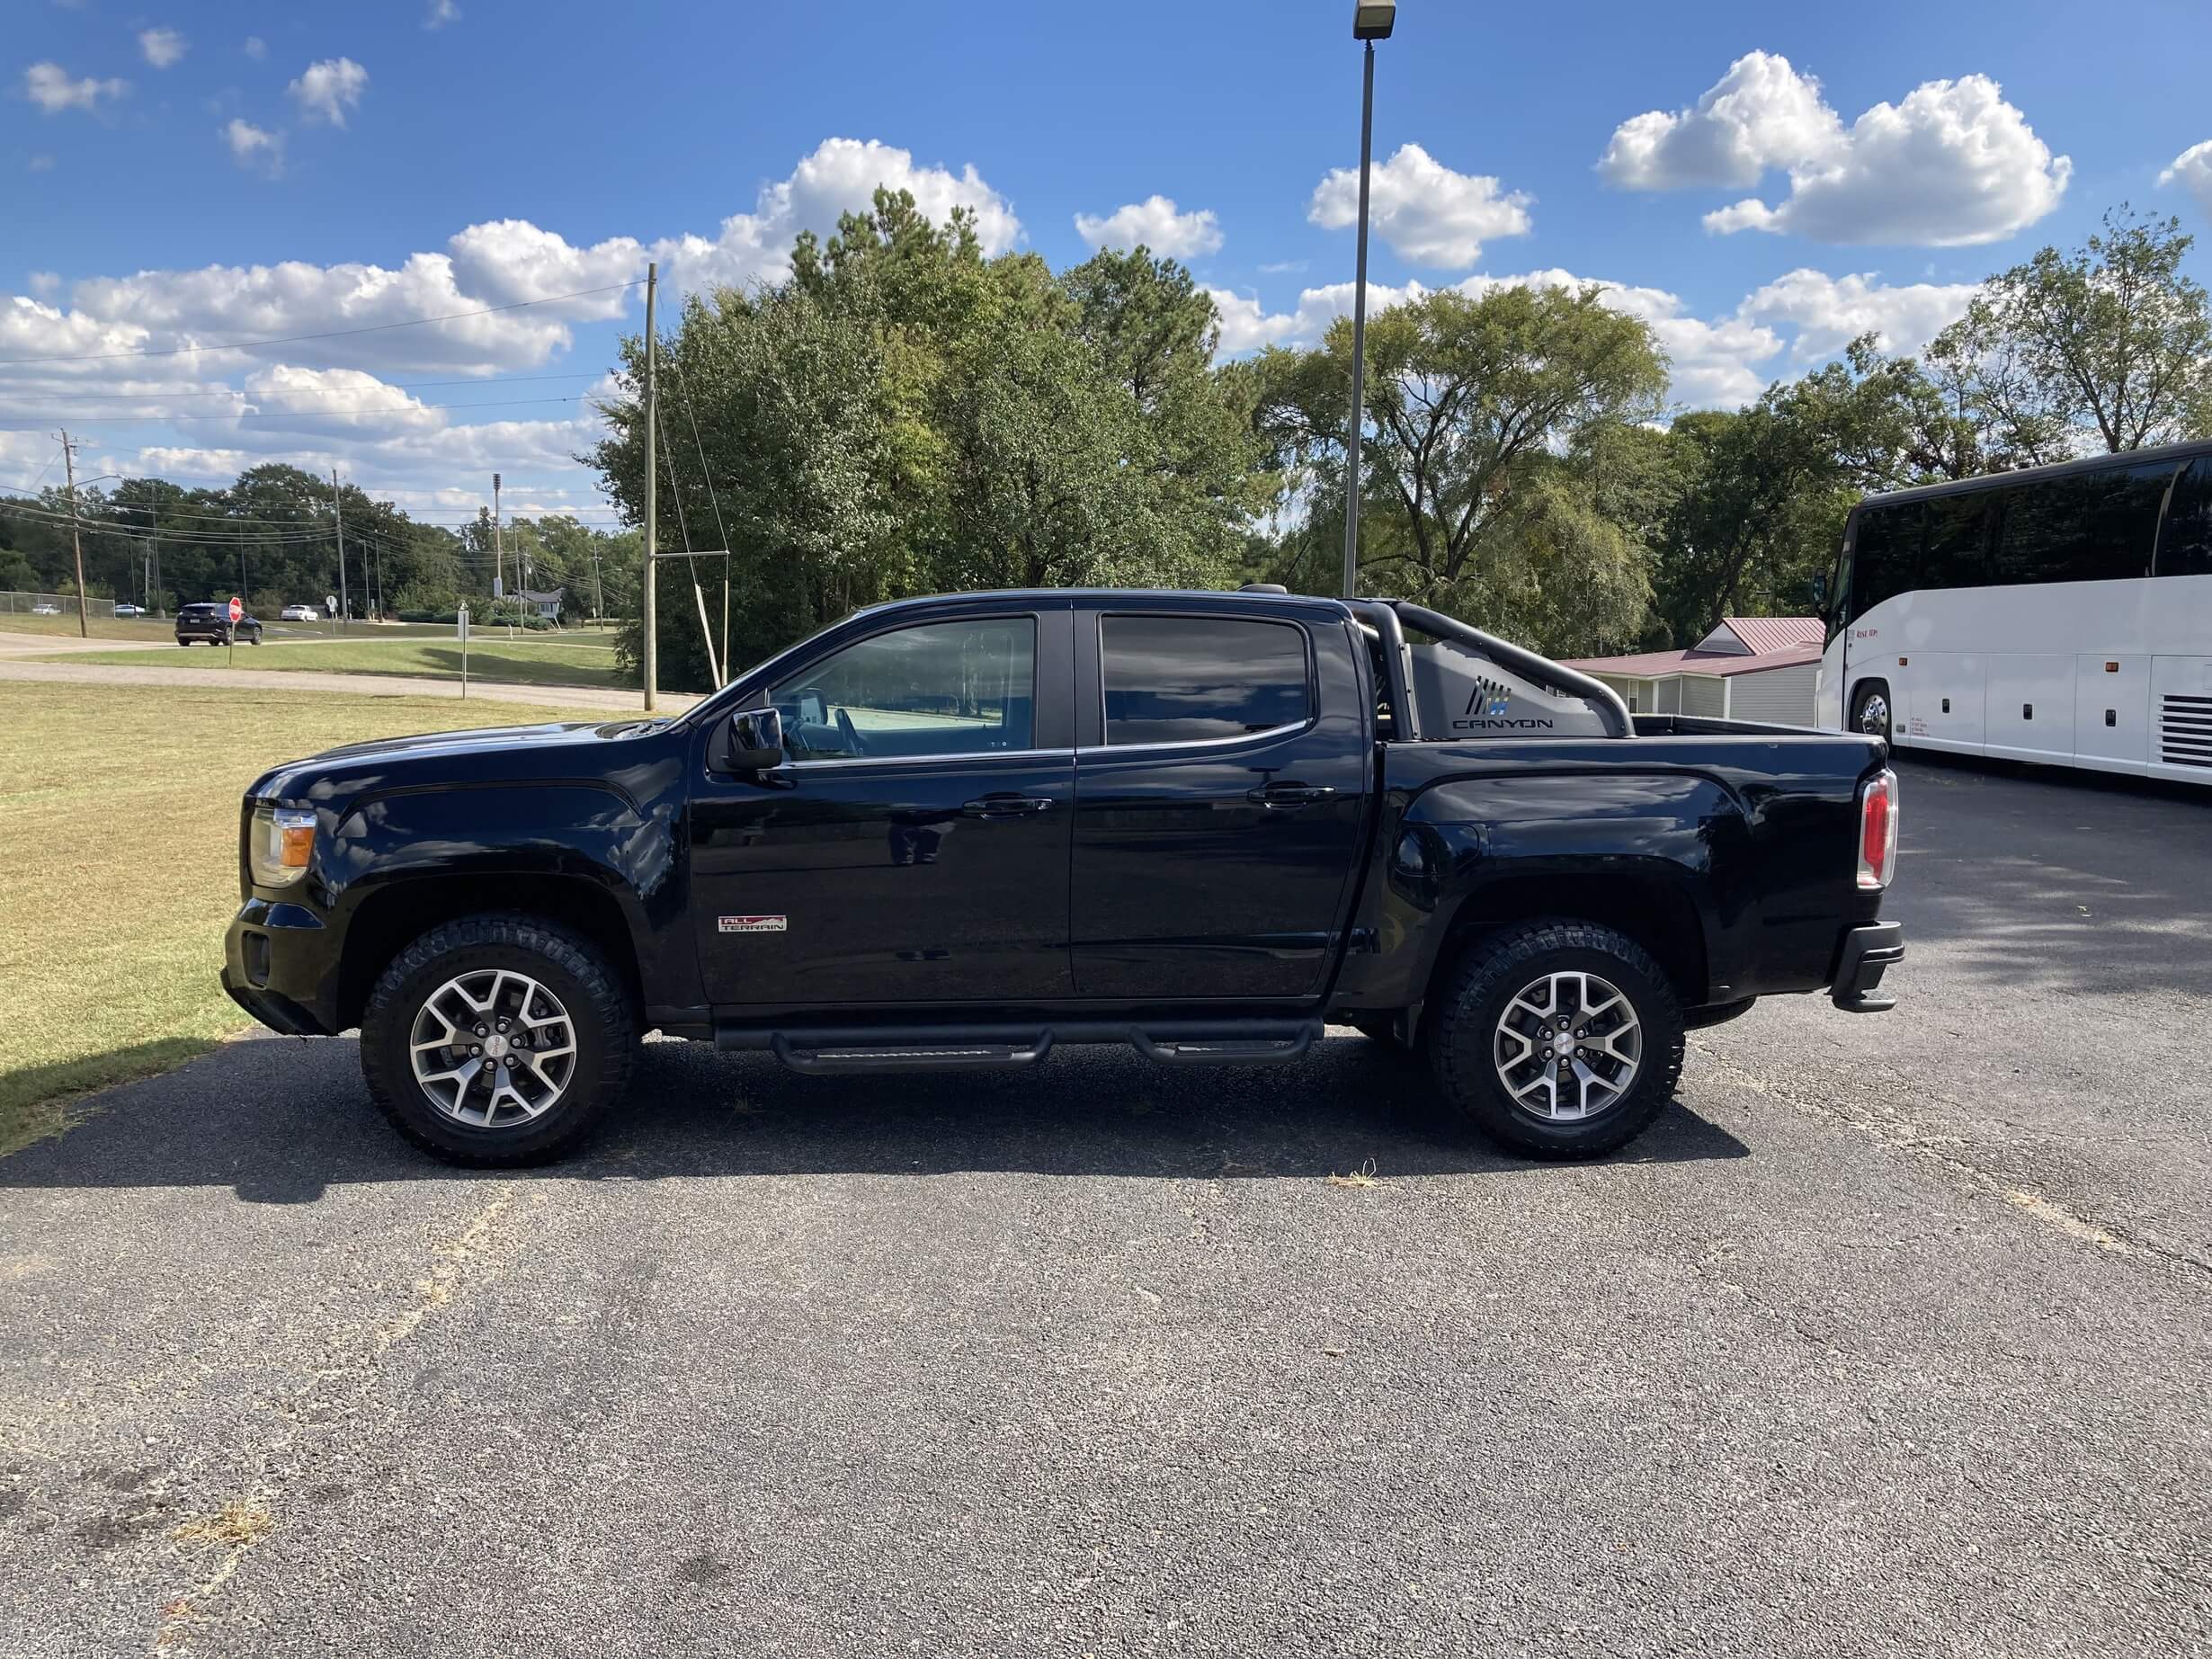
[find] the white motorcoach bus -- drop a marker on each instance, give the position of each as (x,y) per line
(2061,614)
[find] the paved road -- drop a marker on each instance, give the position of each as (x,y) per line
(1890,1339)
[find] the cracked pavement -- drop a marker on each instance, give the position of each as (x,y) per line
(1890,1338)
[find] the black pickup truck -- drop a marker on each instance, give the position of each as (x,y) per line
(960,831)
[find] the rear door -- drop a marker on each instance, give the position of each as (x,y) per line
(915,847)
(1222,784)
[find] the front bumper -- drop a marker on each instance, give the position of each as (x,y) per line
(281,965)
(1866,955)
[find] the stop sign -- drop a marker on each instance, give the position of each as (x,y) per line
(238,609)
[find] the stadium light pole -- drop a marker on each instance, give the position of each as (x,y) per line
(1371,21)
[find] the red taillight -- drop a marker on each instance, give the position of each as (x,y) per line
(1877,832)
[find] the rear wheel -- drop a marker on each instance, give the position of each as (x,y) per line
(1559,1038)
(497,1040)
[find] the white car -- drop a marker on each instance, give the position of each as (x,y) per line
(299,613)
(126,609)
(46,611)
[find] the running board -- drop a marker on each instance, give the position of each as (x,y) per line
(823,1051)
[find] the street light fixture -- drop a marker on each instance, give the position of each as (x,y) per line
(1371,21)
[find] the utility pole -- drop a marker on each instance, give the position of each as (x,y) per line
(499,555)
(599,594)
(77,539)
(652,545)
(338,505)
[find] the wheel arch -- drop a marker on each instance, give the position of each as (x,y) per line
(1654,913)
(399,912)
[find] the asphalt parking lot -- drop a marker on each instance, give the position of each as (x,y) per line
(1891,1338)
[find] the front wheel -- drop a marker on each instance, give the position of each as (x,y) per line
(497,1040)
(1871,711)
(1559,1038)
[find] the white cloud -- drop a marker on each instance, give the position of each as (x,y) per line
(1153,223)
(45,283)
(1761,114)
(839,175)
(1830,312)
(1427,213)
(510,260)
(254,147)
(1281,265)
(1245,326)
(40,163)
(441,14)
(256,48)
(161,47)
(325,91)
(2193,169)
(1951,165)
(205,414)
(48,85)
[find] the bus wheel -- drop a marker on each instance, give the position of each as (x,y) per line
(1870,710)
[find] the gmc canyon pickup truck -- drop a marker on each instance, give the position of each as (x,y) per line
(961,831)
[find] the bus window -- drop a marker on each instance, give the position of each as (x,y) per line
(1884,555)
(2089,527)
(2185,545)
(1959,541)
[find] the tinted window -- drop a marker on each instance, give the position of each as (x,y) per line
(1178,679)
(2185,545)
(944,688)
(1885,554)
(1957,553)
(2089,527)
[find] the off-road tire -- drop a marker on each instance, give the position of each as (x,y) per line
(1462,1021)
(567,965)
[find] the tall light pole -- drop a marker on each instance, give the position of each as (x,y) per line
(1371,21)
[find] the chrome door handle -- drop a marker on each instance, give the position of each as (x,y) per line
(1007,806)
(1279,795)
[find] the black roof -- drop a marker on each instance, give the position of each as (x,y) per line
(2176,452)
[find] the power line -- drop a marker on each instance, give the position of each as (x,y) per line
(326,333)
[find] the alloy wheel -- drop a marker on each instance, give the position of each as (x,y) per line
(493,1047)
(1568,1046)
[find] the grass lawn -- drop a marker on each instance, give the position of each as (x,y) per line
(104,626)
(524,661)
(118,818)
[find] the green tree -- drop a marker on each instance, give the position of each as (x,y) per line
(2108,345)
(903,415)
(1487,418)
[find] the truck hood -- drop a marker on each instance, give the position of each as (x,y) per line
(503,754)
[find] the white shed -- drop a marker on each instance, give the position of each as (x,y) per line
(1762,668)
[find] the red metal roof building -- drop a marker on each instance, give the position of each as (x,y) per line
(1749,668)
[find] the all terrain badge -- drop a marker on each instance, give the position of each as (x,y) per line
(749,925)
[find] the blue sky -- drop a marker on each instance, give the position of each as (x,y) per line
(1725,166)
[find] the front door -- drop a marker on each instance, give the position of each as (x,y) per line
(1221,795)
(915,847)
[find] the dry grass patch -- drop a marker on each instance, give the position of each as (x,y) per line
(238,1525)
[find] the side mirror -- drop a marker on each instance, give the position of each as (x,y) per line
(755,740)
(1820,587)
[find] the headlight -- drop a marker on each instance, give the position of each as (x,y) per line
(283,839)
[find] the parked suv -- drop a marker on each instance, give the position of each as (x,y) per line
(212,623)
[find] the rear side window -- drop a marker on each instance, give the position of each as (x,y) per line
(1185,679)
(1959,553)
(2090,527)
(2185,545)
